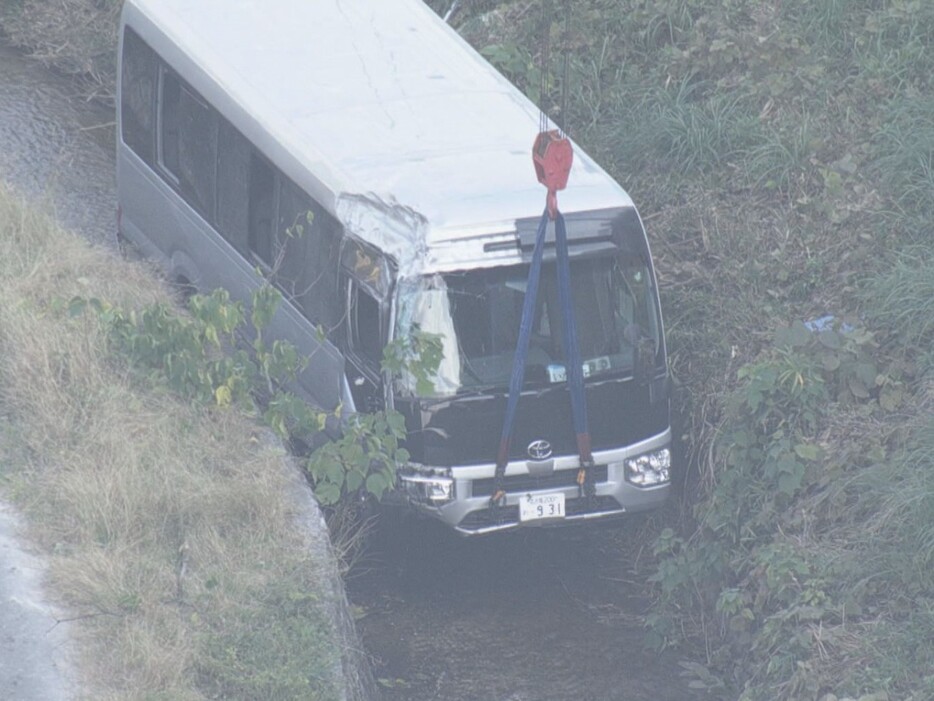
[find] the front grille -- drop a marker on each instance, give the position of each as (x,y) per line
(509,515)
(530,483)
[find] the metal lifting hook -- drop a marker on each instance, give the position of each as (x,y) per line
(552,156)
(552,153)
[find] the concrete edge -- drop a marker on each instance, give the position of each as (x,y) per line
(355,673)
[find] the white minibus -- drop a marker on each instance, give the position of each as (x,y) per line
(236,118)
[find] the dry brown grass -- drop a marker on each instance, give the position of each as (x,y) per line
(168,526)
(77,37)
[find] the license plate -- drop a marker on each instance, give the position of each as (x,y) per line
(537,507)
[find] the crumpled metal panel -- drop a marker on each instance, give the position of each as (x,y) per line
(379,110)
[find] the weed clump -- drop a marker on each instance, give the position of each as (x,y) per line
(76,37)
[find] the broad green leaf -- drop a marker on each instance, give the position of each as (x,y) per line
(376,485)
(354,479)
(829,339)
(223,396)
(788,483)
(327,493)
(334,472)
(858,388)
(76,306)
(807,451)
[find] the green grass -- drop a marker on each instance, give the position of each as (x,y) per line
(904,162)
(825,24)
(688,126)
(902,298)
(893,51)
(781,160)
(782,155)
(886,568)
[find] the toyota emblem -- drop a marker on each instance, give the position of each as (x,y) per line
(539,450)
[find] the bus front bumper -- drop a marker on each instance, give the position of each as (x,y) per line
(627,480)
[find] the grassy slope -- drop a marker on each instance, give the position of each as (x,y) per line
(781,153)
(168,523)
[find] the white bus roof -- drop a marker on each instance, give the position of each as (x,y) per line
(377,108)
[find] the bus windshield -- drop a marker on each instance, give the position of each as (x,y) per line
(477,314)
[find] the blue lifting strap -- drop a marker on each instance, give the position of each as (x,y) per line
(574,371)
(575,368)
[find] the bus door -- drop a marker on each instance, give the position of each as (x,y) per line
(366,277)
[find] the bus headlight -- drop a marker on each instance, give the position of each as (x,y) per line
(649,469)
(430,489)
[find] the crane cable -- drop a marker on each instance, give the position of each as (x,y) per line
(544,61)
(552,156)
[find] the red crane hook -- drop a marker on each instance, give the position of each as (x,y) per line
(552,156)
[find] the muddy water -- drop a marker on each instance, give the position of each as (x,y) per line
(537,616)
(56,148)
(542,615)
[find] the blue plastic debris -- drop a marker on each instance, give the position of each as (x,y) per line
(825,323)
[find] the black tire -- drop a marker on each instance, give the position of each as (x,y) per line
(126,248)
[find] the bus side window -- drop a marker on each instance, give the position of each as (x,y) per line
(138,96)
(197,151)
(169,89)
(261,205)
(323,301)
(306,248)
(233,185)
(188,143)
(294,236)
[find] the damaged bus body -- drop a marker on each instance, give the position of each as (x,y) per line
(413,154)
